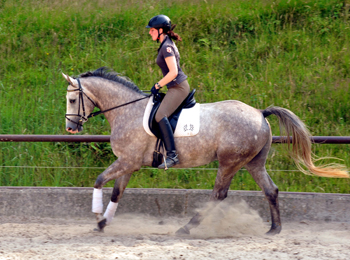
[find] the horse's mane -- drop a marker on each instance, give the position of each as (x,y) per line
(109,74)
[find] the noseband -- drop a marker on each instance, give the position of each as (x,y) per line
(83,117)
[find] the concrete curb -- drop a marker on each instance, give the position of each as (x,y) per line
(76,203)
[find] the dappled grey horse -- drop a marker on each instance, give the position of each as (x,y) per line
(235,134)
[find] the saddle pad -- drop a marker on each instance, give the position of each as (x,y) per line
(187,125)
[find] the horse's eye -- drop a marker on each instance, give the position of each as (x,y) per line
(72,101)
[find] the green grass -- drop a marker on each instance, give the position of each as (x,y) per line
(294,54)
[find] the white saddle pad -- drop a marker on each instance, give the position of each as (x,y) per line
(187,125)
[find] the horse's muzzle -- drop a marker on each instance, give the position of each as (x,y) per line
(77,130)
(73,125)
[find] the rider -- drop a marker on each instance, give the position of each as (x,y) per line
(168,60)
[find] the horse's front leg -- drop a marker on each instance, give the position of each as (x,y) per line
(121,171)
(118,190)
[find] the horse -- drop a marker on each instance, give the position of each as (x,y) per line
(232,132)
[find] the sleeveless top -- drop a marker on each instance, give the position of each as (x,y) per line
(168,49)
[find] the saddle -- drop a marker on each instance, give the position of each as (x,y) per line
(173,119)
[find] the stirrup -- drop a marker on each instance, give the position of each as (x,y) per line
(171,162)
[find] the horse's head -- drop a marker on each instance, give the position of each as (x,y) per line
(79,105)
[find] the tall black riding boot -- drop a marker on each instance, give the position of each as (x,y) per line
(168,139)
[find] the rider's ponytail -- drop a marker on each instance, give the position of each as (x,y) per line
(173,35)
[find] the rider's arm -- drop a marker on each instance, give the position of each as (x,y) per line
(172,74)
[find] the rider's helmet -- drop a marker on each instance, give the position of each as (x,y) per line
(160,21)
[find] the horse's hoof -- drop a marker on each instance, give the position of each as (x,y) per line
(101,225)
(182,231)
(274,231)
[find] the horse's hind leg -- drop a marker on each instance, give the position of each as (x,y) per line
(256,168)
(118,190)
(222,185)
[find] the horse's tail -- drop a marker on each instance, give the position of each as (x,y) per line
(301,152)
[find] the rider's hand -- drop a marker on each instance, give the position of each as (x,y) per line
(154,90)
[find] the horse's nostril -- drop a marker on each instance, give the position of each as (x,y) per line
(68,129)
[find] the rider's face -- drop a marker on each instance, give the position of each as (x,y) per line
(154,33)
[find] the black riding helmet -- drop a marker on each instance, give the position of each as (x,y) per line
(160,21)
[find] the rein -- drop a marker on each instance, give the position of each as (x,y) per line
(83,118)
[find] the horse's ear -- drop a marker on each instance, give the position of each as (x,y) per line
(70,80)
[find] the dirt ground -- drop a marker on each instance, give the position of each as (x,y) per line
(232,232)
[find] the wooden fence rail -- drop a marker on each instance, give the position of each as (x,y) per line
(106,138)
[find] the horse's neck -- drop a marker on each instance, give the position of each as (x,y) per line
(110,94)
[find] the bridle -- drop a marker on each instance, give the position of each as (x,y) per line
(83,117)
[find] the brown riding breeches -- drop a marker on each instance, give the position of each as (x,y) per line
(173,100)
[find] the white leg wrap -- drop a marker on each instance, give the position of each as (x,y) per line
(110,211)
(97,201)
